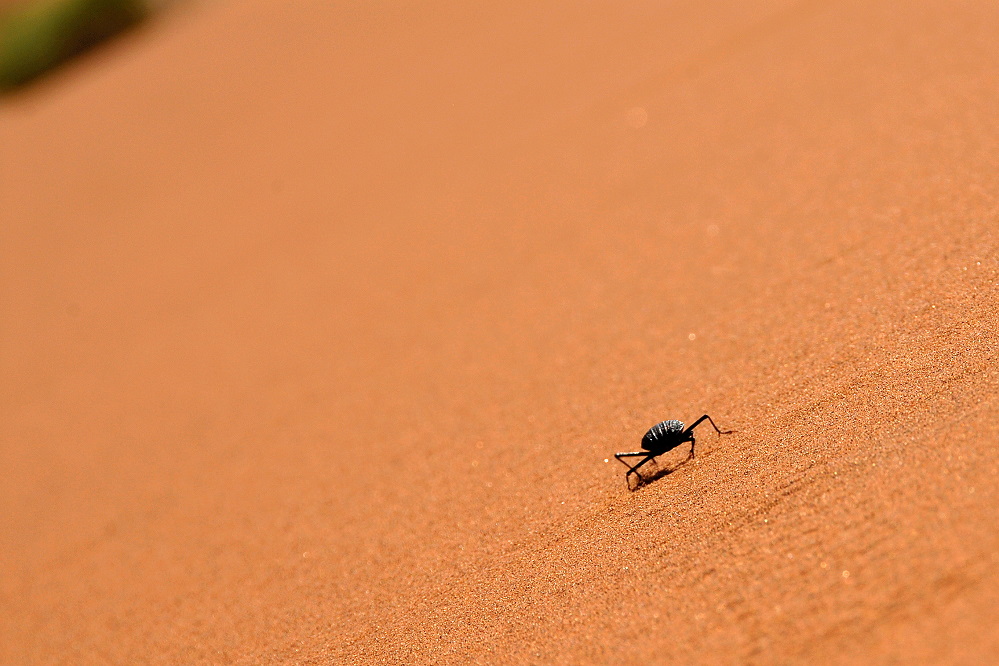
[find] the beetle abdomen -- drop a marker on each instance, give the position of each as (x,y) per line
(661,433)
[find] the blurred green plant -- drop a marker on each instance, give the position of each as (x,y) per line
(36,36)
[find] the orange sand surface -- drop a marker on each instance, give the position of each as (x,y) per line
(318,322)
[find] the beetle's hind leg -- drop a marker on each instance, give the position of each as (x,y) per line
(696,423)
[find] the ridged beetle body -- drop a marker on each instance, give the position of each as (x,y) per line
(663,437)
(666,436)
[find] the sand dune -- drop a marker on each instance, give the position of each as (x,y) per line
(319,325)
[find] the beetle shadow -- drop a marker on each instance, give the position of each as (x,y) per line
(657,473)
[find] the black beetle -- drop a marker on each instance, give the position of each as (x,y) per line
(663,437)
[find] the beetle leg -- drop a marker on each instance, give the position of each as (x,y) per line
(634,454)
(693,425)
(634,470)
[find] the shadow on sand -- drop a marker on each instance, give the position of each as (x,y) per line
(656,473)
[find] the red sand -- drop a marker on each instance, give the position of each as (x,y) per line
(317,326)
